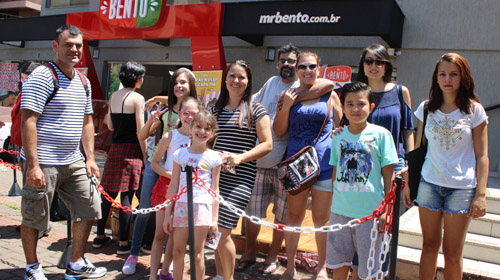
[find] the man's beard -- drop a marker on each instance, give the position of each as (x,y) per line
(287,74)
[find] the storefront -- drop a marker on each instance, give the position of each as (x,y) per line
(206,35)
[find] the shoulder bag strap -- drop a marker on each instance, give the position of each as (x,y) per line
(328,108)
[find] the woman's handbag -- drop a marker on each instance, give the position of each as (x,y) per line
(416,160)
(300,171)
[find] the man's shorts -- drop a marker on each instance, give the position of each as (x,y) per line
(74,188)
(266,185)
(342,244)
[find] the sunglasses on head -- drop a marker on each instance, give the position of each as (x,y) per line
(304,67)
(289,60)
(370,61)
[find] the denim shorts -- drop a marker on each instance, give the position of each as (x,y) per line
(324,185)
(448,200)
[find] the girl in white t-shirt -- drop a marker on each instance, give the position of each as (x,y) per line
(206,164)
(169,143)
(455,170)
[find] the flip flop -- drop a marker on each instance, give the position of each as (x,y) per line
(266,266)
(246,265)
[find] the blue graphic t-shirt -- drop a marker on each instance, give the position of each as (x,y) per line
(359,158)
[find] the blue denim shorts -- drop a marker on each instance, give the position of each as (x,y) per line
(448,200)
(324,185)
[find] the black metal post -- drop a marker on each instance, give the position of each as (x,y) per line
(192,252)
(66,255)
(15,190)
(395,229)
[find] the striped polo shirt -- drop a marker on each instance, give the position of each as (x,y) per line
(59,127)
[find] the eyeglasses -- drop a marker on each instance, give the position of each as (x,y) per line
(289,60)
(188,113)
(304,67)
(377,62)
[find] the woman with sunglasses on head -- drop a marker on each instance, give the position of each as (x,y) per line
(241,122)
(392,108)
(456,133)
(303,122)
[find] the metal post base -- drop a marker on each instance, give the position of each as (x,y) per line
(15,190)
(66,255)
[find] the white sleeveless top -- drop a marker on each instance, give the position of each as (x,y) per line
(178,141)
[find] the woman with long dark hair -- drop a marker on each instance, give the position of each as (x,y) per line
(392,101)
(241,122)
(456,133)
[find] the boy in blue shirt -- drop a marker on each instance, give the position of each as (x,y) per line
(362,156)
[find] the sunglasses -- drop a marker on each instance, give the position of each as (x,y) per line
(188,113)
(289,60)
(304,67)
(370,61)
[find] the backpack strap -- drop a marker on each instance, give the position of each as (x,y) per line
(55,79)
(84,82)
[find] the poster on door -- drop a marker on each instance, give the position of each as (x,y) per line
(9,77)
(208,86)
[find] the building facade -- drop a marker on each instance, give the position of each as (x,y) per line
(430,28)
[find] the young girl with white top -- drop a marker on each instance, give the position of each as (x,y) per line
(206,164)
(456,131)
(170,142)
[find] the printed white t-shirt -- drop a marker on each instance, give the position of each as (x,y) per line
(204,163)
(450,161)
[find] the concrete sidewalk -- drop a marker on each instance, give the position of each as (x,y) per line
(50,248)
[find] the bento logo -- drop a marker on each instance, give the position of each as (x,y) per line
(131,13)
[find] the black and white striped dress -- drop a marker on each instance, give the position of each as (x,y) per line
(236,189)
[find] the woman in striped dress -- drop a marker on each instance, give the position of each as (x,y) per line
(241,123)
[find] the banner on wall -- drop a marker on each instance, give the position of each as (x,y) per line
(208,86)
(9,77)
(340,75)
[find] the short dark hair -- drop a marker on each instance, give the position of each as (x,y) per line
(130,72)
(288,48)
(73,31)
(380,52)
(28,67)
(355,87)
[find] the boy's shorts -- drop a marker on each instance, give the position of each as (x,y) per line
(74,188)
(342,244)
(267,189)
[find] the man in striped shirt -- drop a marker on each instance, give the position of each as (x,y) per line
(51,135)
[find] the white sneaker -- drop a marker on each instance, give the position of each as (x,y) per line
(35,273)
(86,271)
(129,266)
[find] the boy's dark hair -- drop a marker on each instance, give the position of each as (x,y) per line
(355,87)
(28,67)
(130,72)
(73,31)
(288,48)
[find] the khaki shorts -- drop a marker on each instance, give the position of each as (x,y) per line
(74,188)
(268,189)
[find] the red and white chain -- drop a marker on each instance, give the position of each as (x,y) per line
(12,166)
(382,208)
